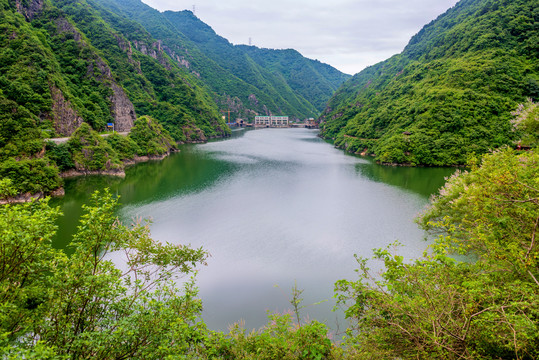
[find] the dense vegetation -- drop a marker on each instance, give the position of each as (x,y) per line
(63,65)
(86,151)
(486,306)
(153,81)
(449,94)
(313,80)
(240,82)
(21,157)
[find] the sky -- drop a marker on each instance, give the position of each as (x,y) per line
(347,34)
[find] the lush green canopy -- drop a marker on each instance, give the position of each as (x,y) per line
(449,94)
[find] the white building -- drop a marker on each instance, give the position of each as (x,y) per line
(271,121)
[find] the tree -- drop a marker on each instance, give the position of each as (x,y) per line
(486,307)
(151,137)
(83,306)
(26,261)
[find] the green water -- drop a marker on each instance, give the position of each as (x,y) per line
(272,206)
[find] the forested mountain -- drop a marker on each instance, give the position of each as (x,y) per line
(314,81)
(62,65)
(65,63)
(449,94)
(155,83)
(238,76)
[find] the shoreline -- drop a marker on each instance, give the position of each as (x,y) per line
(28,197)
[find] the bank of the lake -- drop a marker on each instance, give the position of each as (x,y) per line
(272,206)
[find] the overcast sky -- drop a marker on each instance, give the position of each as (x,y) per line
(347,34)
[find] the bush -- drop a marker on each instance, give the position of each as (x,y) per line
(60,155)
(92,152)
(280,339)
(151,137)
(31,175)
(123,145)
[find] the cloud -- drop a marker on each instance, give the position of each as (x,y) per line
(347,34)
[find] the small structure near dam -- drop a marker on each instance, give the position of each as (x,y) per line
(271,121)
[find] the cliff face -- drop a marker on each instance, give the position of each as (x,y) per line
(29,9)
(71,82)
(65,118)
(121,108)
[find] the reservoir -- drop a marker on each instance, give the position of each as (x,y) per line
(273,207)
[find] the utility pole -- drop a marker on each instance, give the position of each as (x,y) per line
(227,111)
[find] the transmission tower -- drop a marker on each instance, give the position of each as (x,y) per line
(194,9)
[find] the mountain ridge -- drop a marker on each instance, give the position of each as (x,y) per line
(449,94)
(64,64)
(243,86)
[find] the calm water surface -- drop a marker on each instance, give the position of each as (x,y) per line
(272,207)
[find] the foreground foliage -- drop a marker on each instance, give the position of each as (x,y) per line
(54,306)
(79,306)
(486,307)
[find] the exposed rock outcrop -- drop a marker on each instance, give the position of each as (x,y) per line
(22,198)
(122,109)
(194,134)
(66,119)
(145,49)
(74,173)
(139,159)
(29,9)
(27,197)
(64,26)
(155,51)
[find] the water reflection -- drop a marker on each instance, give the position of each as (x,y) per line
(272,206)
(420,180)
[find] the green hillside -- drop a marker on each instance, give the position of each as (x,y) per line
(290,71)
(449,94)
(313,80)
(156,85)
(62,65)
(233,59)
(240,82)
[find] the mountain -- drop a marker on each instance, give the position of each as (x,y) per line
(62,65)
(451,91)
(312,79)
(239,76)
(76,66)
(165,91)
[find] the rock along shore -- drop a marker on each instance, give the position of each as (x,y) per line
(27,197)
